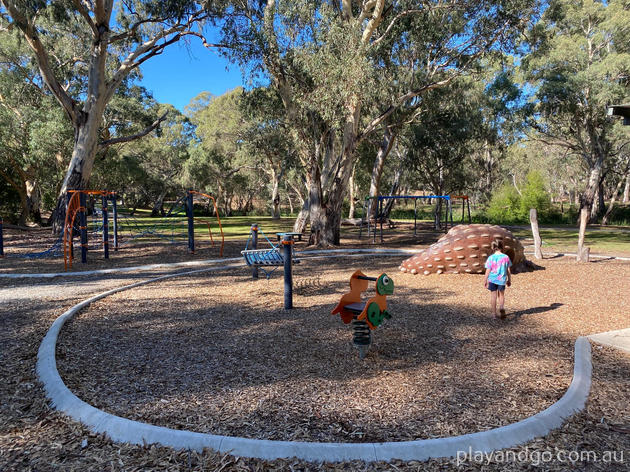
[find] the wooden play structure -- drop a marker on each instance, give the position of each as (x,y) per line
(364,316)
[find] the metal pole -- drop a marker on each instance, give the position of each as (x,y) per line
(105,227)
(415,215)
(115,217)
(380,211)
(287,245)
(1,240)
(191,222)
(71,236)
(83,227)
(468,205)
(254,231)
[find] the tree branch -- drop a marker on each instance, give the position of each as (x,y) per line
(392,23)
(83,10)
(125,139)
(31,36)
(149,49)
(401,101)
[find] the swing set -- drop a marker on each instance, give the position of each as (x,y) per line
(380,213)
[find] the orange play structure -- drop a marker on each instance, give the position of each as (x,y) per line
(191,193)
(76,205)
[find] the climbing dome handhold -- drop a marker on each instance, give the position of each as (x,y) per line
(464,249)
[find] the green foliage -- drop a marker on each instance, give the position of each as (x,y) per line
(534,195)
(578,63)
(35,137)
(505,206)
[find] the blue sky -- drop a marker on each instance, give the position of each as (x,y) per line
(183,71)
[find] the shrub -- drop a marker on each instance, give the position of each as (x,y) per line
(505,206)
(535,196)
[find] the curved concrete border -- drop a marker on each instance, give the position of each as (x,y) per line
(125,430)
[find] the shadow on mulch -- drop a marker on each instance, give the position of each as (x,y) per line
(535,310)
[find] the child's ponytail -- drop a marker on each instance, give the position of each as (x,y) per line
(497,244)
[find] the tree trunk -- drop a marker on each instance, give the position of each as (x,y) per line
(533,218)
(326,208)
(613,198)
(24,208)
(275,194)
(587,204)
(626,190)
(582,252)
(352,209)
(33,199)
(302,219)
(290,202)
(377,169)
(599,203)
(393,190)
(158,206)
(83,155)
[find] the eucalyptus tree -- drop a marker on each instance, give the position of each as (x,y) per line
(110,44)
(218,159)
(35,141)
(329,62)
(155,163)
(580,63)
(268,140)
(439,145)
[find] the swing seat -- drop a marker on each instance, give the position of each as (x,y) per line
(356,307)
(265,257)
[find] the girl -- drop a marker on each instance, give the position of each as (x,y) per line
(498,275)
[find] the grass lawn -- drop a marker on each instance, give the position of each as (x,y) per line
(564,239)
(601,240)
(233,227)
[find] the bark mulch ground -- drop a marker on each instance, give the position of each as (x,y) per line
(217,353)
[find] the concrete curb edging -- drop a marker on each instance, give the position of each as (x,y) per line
(124,430)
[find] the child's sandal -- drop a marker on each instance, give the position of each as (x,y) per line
(502,311)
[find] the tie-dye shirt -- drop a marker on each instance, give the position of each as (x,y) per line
(498,264)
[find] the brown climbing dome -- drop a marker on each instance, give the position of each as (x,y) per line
(464,248)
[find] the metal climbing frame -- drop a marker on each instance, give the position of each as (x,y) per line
(76,200)
(191,220)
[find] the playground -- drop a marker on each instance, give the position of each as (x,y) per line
(208,352)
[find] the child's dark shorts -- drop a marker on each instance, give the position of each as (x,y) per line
(494,287)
